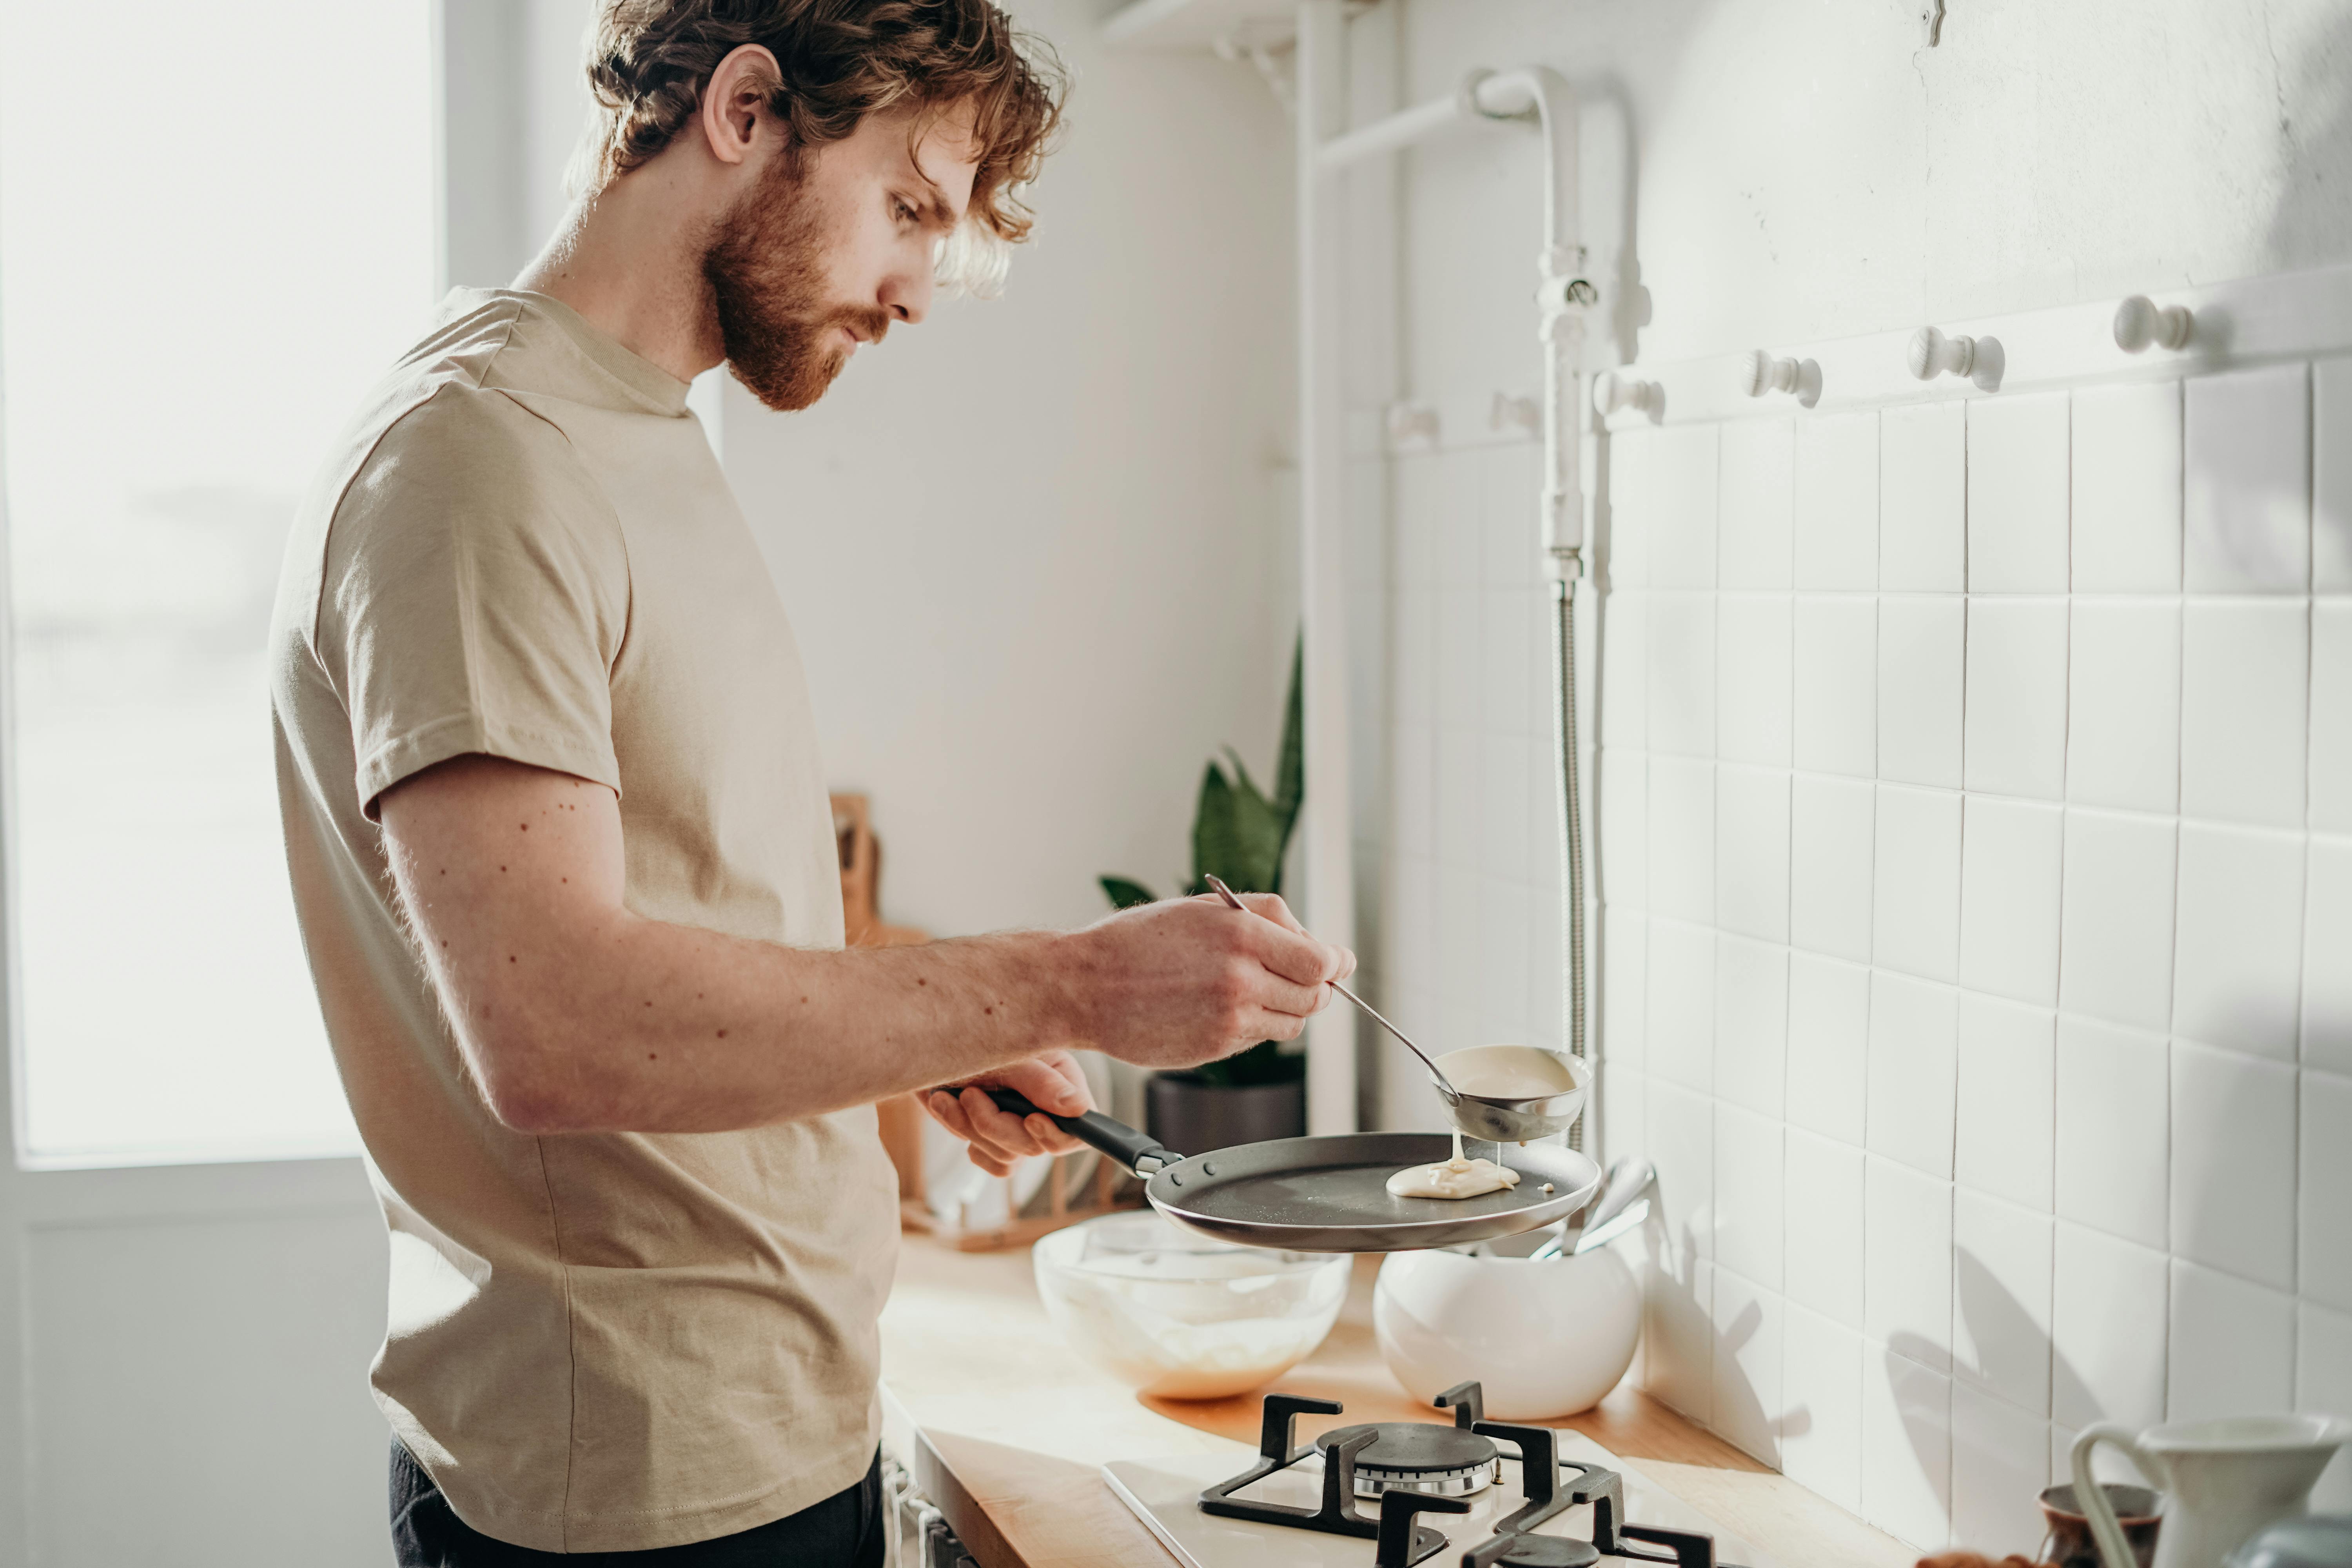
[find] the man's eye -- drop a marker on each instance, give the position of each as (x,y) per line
(901,211)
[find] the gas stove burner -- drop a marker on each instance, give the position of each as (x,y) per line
(1413,1455)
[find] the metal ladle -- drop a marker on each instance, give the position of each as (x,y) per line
(1478,1115)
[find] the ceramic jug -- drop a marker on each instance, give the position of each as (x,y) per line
(2222,1480)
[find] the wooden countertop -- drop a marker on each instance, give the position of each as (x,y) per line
(1005,1427)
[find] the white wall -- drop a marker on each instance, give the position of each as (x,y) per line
(1036,549)
(1889,1061)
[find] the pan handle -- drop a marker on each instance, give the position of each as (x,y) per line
(1137,1151)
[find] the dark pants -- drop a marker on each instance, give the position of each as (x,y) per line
(845,1531)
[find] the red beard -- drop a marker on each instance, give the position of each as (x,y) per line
(766,270)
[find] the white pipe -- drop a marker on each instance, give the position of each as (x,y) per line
(1329,869)
(1561,296)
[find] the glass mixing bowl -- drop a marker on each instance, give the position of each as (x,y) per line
(1182,1317)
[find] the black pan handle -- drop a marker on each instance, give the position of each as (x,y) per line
(1138,1152)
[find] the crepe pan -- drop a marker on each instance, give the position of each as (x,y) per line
(1330,1195)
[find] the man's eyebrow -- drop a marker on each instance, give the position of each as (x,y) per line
(937,214)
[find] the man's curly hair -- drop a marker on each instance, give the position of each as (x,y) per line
(649,61)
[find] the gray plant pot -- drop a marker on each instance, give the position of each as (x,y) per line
(1194,1118)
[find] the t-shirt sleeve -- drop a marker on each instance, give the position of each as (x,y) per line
(475,598)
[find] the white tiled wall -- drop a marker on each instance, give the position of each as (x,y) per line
(1974,949)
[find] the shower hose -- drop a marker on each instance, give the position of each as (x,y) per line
(1572,813)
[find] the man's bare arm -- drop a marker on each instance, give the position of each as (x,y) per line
(576,1015)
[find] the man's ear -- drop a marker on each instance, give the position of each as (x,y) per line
(739,92)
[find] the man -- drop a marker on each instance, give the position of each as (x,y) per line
(560,840)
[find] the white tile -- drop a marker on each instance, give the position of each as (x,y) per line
(1682,489)
(1625,987)
(2326,975)
(1912,1083)
(2233,1347)
(2109,1307)
(1748,1176)
(2331,716)
(2323,1387)
(2016,703)
(1829,1045)
(1681,673)
(1625,669)
(1504,955)
(1622,1127)
(2245,672)
(1999,1455)
(1506,774)
(1752,712)
(2123,707)
(2009,860)
(1921,676)
(1682,837)
(1915,882)
(1836,527)
(1752,1029)
(1906,1262)
(2018,494)
(1455,535)
(1630,461)
(1509,477)
(1831,842)
(2331,476)
(2324,1247)
(1678,1339)
(1622,813)
(2233,1165)
(1748,1329)
(2114,1125)
(1758,478)
(2237,955)
(1682,1004)
(1835,685)
(1461,657)
(1822,1255)
(2246,520)
(1678,1132)
(2006,1106)
(1413,799)
(1923,492)
(1514,656)
(2001,1300)
(1751,852)
(1413,662)
(1906,1448)
(1821,1384)
(2127,489)
(2115,943)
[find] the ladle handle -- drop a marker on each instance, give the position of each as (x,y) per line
(1138,1152)
(2098,1511)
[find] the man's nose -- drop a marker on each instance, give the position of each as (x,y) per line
(907,295)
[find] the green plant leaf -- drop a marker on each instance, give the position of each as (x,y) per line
(1236,835)
(1125,894)
(1290,772)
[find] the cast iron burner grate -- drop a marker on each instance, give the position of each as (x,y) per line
(1423,1468)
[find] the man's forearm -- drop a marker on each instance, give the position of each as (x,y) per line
(576,1014)
(653,1027)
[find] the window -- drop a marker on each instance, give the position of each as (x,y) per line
(218,228)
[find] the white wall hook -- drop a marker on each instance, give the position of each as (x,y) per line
(1933,354)
(1413,424)
(2141,321)
(1509,412)
(1613,393)
(1760,373)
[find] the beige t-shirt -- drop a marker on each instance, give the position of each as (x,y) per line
(524,547)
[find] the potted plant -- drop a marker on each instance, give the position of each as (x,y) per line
(1240,835)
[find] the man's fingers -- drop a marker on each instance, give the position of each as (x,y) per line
(1046,1088)
(1005,1132)
(1273,907)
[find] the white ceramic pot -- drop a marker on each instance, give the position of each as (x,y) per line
(1545,1339)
